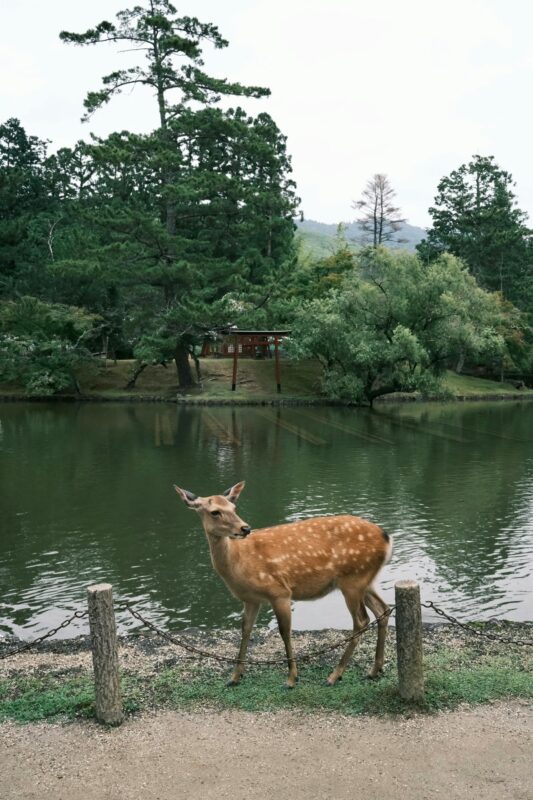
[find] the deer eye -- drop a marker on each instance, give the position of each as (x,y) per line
(215,513)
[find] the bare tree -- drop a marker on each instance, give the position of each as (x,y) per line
(380,219)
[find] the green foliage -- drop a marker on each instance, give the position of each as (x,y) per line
(172,46)
(466,673)
(162,236)
(395,323)
(475,217)
(201,208)
(42,344)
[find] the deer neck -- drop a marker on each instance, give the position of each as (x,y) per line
(223,555)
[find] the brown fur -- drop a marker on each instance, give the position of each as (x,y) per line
(295,561)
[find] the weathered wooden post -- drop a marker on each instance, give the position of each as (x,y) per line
(105,654)
(235,357)
(409,640)
(278,370)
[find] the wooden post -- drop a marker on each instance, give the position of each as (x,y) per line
(235,357)
(105,655)
(278,373)
(409,640)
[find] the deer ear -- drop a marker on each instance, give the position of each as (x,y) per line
(233,493)
(190,499)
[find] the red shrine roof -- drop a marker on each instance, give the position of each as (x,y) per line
(239,332)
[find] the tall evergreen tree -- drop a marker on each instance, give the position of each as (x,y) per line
(218,204)
(476,218)
(164,38)
(24,194)
(379,220)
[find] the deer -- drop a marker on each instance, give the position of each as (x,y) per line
(301,560)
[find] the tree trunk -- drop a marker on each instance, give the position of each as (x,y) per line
(197,366)
(136,372)
(76,384)
(183,366)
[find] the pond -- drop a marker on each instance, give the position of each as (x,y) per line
(86,496)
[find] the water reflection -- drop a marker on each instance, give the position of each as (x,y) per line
(85,493)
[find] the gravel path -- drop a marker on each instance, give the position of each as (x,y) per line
(481,753)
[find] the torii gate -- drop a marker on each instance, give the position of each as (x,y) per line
(250,342)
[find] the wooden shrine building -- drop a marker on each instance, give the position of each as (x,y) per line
(236,343)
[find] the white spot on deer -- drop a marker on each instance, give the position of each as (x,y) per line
(361,537)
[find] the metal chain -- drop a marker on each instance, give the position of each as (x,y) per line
(466,627)
(28,645)
(207,654)
(303,657)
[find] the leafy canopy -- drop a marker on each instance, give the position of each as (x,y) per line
(201,209)
(475,217)
(43,344)
(395,323)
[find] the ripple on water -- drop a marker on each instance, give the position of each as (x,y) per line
(101,507)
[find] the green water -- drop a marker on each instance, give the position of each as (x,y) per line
(86,496)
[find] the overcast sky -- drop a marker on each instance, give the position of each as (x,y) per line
(410,88)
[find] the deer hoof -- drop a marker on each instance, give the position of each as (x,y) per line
(332,681)
(374,674)
(232,682)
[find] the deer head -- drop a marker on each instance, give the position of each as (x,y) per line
(218,512)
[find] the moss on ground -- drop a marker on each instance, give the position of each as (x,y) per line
(301,381)
(468,385)
(458,668)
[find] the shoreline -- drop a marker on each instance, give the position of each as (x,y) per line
(265,640)
(54,681)
(266,401)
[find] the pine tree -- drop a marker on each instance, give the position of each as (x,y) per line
(221,206)
(476,218)
(380,220)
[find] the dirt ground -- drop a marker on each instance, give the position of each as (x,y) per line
(481,753)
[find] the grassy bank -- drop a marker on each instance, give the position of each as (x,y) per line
(56,682)
(255,383)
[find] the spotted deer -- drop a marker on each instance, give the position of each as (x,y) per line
(296,561)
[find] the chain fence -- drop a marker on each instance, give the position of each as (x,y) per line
(261,661)
(48,635)
(198,651)
(470,629)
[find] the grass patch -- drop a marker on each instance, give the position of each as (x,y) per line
(50,696)
(256,382)
(467,385)
(470,672)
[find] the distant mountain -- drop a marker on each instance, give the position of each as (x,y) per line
(318,238)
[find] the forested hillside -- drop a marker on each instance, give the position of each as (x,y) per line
(319,238)
(144,246)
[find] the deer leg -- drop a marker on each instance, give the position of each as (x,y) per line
(377,606)
(360,619)
(248,619)
(283,612)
